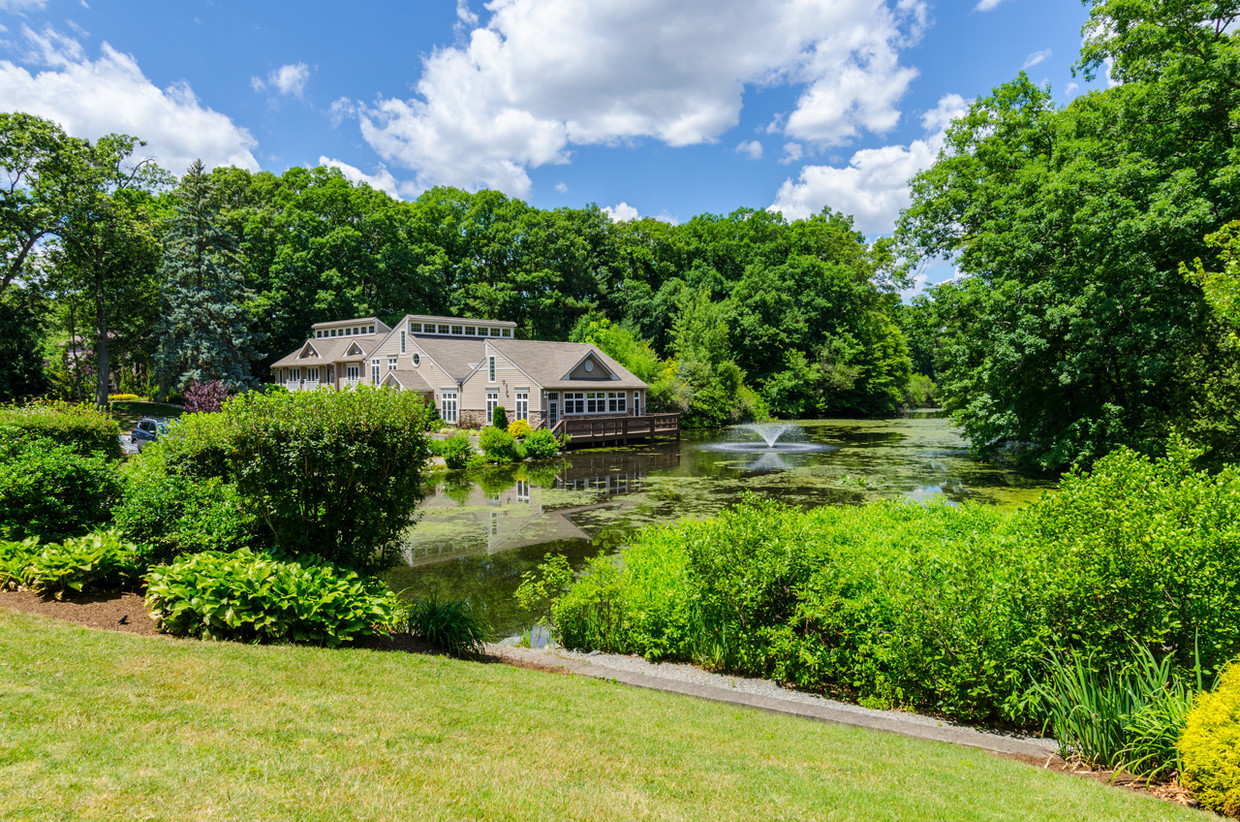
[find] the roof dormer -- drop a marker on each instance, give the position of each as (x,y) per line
(307,351)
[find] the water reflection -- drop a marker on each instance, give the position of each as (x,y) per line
(480,531)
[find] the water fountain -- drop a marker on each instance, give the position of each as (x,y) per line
(767,438)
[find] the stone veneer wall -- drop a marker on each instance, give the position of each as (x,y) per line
(472,418)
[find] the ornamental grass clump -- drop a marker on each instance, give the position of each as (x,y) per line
(253,597)
(451,625)
(1127,719)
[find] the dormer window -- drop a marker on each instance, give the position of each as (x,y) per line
(494,332)
(415,328)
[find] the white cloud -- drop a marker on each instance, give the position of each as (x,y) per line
(562,188)
(621,212)
(1071,89)
(987,5)
(21,5)
(873,187)
(92,98)
(751,149)
(382,181)
(1035,58)
(287,80)
(540,76)
(792,153)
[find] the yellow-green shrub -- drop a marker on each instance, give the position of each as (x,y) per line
(519,429)
(1210,746)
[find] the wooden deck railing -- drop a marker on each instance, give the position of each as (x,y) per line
(585,429)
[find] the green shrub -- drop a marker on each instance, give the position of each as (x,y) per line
(519,429)
(98,563)
(1142,550)
(82,429)
(334,473)
(175,514)
(456,450)
(540,445)
(51,491)
(499,418)
(497,445)
(1210,746)
(451,625)
(252,597)
(897,602)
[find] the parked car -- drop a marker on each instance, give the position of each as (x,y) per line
(147,431)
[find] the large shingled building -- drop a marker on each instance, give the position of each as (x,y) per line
(466,367)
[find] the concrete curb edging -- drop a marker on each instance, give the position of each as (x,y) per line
(937,731)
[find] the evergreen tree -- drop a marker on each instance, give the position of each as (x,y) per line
(204,330)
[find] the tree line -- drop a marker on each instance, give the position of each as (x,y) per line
(112,269)
(1097,245)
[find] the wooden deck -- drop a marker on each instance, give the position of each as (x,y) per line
(619,430)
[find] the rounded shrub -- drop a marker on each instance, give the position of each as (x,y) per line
(540,444)
(1210,746)
(497,445)
(337,474)
(520,429)
(253,597)
(51,490)
(456,450)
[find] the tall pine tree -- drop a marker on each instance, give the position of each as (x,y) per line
(205,329)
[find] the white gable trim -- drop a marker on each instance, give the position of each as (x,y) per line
(612,376)
(488,350)
(309,346)
(391,375)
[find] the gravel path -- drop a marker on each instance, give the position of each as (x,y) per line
(770,696)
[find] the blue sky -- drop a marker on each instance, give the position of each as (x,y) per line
(662,109)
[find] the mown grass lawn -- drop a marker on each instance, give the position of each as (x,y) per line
(128,412)
(102,725)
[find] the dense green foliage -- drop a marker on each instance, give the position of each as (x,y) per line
(50,490)
(252,597)
(1146,550)
(97,563)
(174,513)
(337,474)
(1075,331)
(81,428)
(751,312)
(1210,746)
(497,445)
(455,450)
(451,625)
(954,609)
(1126,718)
(540,445)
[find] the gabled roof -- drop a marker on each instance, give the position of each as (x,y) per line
(550,363)
(329,349)
(408,378)
(456,355)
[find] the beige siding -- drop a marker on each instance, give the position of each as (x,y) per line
(508,378)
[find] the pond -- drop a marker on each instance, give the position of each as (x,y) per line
(479,531)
